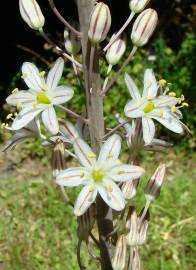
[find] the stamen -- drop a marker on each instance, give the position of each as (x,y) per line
(19,106)
(185,104)
(34,104)
(121,172)
(42,74)
(15,90)
(9,116)
(81,175)
(162,82)
(172,94)
(149,98)
(3,125)
(92,155)
(182,98)
(161,112)
(92,188)
(173,109)
(110,188)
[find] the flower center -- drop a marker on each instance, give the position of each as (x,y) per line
(42,98)
(97,175)
(149,107)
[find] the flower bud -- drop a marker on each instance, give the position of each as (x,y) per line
(32,14)
(58,158)
(143,27)
(129,188)
(100,23)
(137,6)
(134,262)
(115,52)
(152,190)
(72,42)
(119,259)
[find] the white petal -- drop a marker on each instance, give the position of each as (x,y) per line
(68,130)
(84,200)
(20,97)
(170,122)
(165,101)
(55,74)
(132,109)
(50,120)
(84,153)
(24,117)
(112,195)
(150,84)
(110,149)
(71,177)
(126,172)
(31,76)
(148,129)
(133,90)
(61,94)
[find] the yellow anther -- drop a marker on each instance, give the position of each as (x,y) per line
(110,188)
(179,101)
(118,162)
(173,109)
(162,82)
(185,104)
(92,188)
(149,98)
(92,155)
(9,116)
(182,98)
(172,94)
(6,125)
(15,90)
(161,112)
(19,106)
(3,125)
(42,74)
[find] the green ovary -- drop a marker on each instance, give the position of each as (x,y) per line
(149,107)
(42,98)
(97,175)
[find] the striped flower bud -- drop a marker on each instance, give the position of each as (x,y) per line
(116,51)
(100,23)
(152,190)
(129,188)
(72,42)
(32,14)
(119,259)
(134,262)
(137,6)
(143,27)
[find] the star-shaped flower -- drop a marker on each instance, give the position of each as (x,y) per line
(149,106)
(99,175)
(41,97)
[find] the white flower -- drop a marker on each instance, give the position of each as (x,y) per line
(41,96)
(149,106)
(31,130)
(99,175)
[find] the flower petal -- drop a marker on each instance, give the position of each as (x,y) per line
(150,84)
(112,195)
(71,177)
(165,101)
(126,172)
(20,97)
(110,149)
(133,90)
(31,76)
(24,117)
(68,130)
(50,120)
(84,153)
(55,74)
(148,129)
(61,94)
(132,109)
(84,200)
(170,122)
